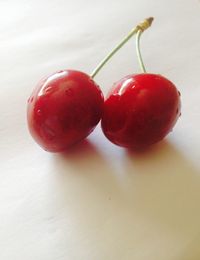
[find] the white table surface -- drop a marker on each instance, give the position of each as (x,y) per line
(98,202)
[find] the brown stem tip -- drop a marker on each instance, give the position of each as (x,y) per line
(145,24)
(150,20)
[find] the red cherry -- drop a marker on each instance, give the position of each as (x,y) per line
(140,110)
(63,109)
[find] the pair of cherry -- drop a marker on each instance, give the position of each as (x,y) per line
(141,109)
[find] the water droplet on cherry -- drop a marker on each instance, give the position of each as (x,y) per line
(39,112)
(30,100)
(69,92)
(47,90)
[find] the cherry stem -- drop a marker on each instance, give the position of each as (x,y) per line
(140,27)
(139,56)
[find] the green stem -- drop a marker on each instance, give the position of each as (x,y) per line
(140,27)
(109,56)
(139,56)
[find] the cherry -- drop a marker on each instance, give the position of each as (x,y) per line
(140,110)
(63,109)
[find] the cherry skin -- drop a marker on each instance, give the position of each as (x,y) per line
(63,109)
(140,110)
